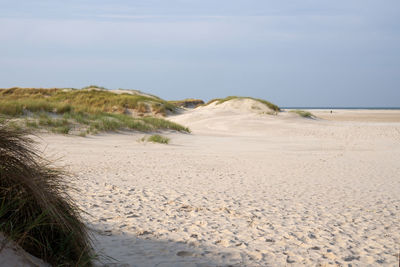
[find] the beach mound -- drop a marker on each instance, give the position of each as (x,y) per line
(231,115)
(241,105)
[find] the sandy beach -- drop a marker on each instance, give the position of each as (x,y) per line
(199,133)
(243,189)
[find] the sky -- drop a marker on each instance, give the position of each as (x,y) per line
(294,53)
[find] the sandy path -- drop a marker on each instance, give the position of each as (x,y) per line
(245,190)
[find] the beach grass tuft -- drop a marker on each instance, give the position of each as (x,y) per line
(35,210)
(187,103)
(156,138)
(303,113)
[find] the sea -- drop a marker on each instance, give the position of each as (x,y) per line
(370,108)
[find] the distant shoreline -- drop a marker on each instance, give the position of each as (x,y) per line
(356,108)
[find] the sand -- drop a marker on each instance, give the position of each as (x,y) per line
(12,255)
(360,115)
(244,189)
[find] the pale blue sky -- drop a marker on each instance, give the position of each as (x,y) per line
(293,53)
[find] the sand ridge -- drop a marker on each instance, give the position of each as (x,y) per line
(237,105)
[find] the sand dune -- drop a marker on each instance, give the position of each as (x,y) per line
(244,189)
(234,117)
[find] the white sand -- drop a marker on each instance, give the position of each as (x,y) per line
(243,189)
(362,115)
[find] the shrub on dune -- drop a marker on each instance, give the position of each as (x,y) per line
(35,210)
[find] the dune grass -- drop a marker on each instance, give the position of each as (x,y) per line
(17,107)
(303,113)
(14,101)
(267,103)
(94,87)
(102,122)
(75,111)
(189,102)
(156,138)
(35,209)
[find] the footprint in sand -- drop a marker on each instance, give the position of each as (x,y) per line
(143,232)
(351,258)
(184,253)
(224,243)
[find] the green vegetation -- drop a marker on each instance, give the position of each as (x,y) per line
(14,101)
(61,129)
(35,209)
(102,122)
(222,100)
(15,107)
(302,113)
(90,111)
(156,138)
(94,87)
(187,103)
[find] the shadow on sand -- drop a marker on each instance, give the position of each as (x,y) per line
(122,249)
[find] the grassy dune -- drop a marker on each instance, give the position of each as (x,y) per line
(222,100)
(93,100)
(303,113)
(84,111)
(35,210)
